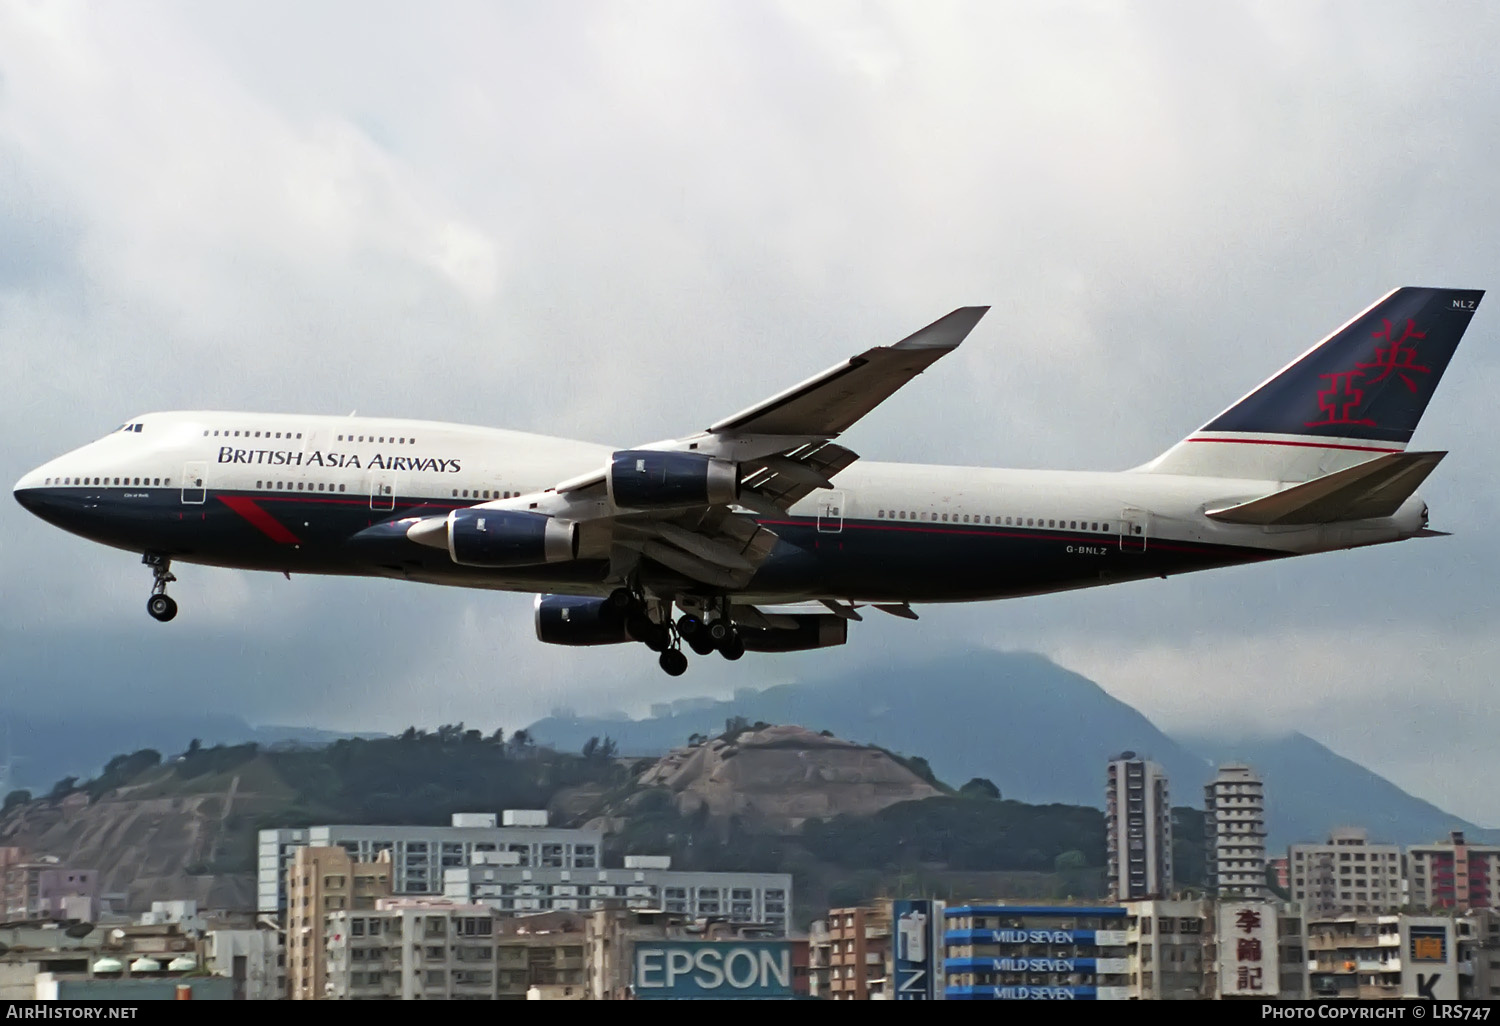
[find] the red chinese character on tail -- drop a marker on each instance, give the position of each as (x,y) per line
(1396,358)
(1339,401)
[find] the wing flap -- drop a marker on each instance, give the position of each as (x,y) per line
(1375,488)
(785,479)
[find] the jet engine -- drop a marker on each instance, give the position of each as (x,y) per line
(648,479)
(578,620)
(498,537)
(813,630)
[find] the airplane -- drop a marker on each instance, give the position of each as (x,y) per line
(762,533)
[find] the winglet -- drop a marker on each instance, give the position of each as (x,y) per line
(945,332)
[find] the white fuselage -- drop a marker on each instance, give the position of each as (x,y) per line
(279,471)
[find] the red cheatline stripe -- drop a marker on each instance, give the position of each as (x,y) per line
(1305,445)
(263,521)
(1091,538)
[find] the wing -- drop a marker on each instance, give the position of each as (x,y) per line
(828,403)
(780,450)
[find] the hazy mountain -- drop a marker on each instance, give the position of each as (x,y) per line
(1042,733)
(1039,731)
(1310,790)
(42,750)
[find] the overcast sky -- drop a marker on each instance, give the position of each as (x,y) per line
(621,221)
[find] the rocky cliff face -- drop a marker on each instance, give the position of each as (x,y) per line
(147,849)
(777,778)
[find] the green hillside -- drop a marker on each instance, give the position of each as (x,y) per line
(969,843)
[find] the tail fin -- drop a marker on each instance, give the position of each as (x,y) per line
(1356,394)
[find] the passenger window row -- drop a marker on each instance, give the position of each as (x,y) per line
(297,486)
(128,482)
(250,434)
(487,494)
(966,518)
(381,439)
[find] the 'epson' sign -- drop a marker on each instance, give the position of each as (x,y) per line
(710,969)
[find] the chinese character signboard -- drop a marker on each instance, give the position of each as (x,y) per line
(1248,963)
(1429,968)
(917,949)
(713,969)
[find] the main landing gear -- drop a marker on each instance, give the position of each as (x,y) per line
(705,636)
(703,633)
(160,604)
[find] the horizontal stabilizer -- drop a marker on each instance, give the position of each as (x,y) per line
(1375,488)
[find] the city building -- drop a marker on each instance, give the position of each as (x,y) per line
(1388,956)
(1479,955)
(1281,872)
(1234,824)
(1025,952)
(1138,829)
(420,854)
(44,888)
(648,882)
(426,949)
(249,959)
(1291,938)
(849,956)
(1346,876)
(122,988)
(630,952)
(28,949)
(319,881)
(1260,951)
(1169,948)
(1453,874)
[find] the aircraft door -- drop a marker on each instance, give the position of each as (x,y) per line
(830,512)
(194,482)
(383,490)
(1134,530)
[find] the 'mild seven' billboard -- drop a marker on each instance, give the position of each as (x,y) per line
(713,969)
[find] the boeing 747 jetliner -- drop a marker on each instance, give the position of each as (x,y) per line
(762,533)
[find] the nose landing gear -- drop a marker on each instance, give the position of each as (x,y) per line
(160,605)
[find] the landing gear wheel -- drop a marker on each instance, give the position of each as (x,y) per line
(159,605)
(732,647)
(689,625)
(674,662)
(699,642)
(620,600)
(718,631)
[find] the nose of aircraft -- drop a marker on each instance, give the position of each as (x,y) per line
(27,491)
(34,496)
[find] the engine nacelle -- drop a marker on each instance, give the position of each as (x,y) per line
(578,620)
(813,630)
(499,538)
(649,479)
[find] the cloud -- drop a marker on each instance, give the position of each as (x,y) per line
(620,223)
